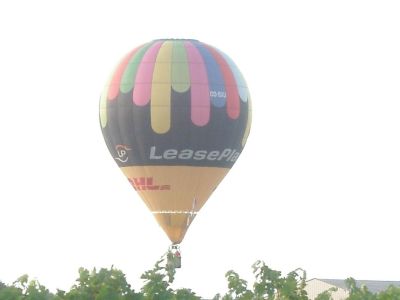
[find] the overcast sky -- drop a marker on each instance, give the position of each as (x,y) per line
(316,187)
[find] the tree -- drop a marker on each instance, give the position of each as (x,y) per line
(100,285)
(158,280)
(10,293)
(391,293)
(326,295)
(111,284)
(358,293)
(269,284)
(237,288)
(25,289)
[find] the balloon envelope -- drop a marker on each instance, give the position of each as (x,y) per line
(175,116)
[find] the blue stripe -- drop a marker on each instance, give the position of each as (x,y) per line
(240,82)
(215,77)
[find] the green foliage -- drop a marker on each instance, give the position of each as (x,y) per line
(391,293)
(157,282)
(184,294)
(10,293)
(362,293)
(269,284)
(237,287)
(358,293)
(111,284)
(25,289)
(327,295)
(100,285)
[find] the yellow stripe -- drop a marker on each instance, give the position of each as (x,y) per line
(103,104)
(161,90)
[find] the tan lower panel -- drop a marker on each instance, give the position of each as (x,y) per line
(173,193)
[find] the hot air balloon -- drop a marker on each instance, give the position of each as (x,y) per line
(175,116)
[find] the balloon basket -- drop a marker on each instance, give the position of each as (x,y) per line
(174,257)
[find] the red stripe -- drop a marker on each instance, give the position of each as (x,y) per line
(232,93)
(116,80)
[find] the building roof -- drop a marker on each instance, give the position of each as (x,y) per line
(373,286)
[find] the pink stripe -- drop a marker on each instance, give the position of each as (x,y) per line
(144,76)
(199,90)
(116,79)
(232,92)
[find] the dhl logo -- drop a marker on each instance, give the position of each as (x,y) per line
(147,184)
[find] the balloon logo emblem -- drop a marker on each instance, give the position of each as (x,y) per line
(122,153)
(175,116)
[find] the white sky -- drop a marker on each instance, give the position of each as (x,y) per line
(316,187)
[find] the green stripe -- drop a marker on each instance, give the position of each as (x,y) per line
(129,76)
(180,68)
